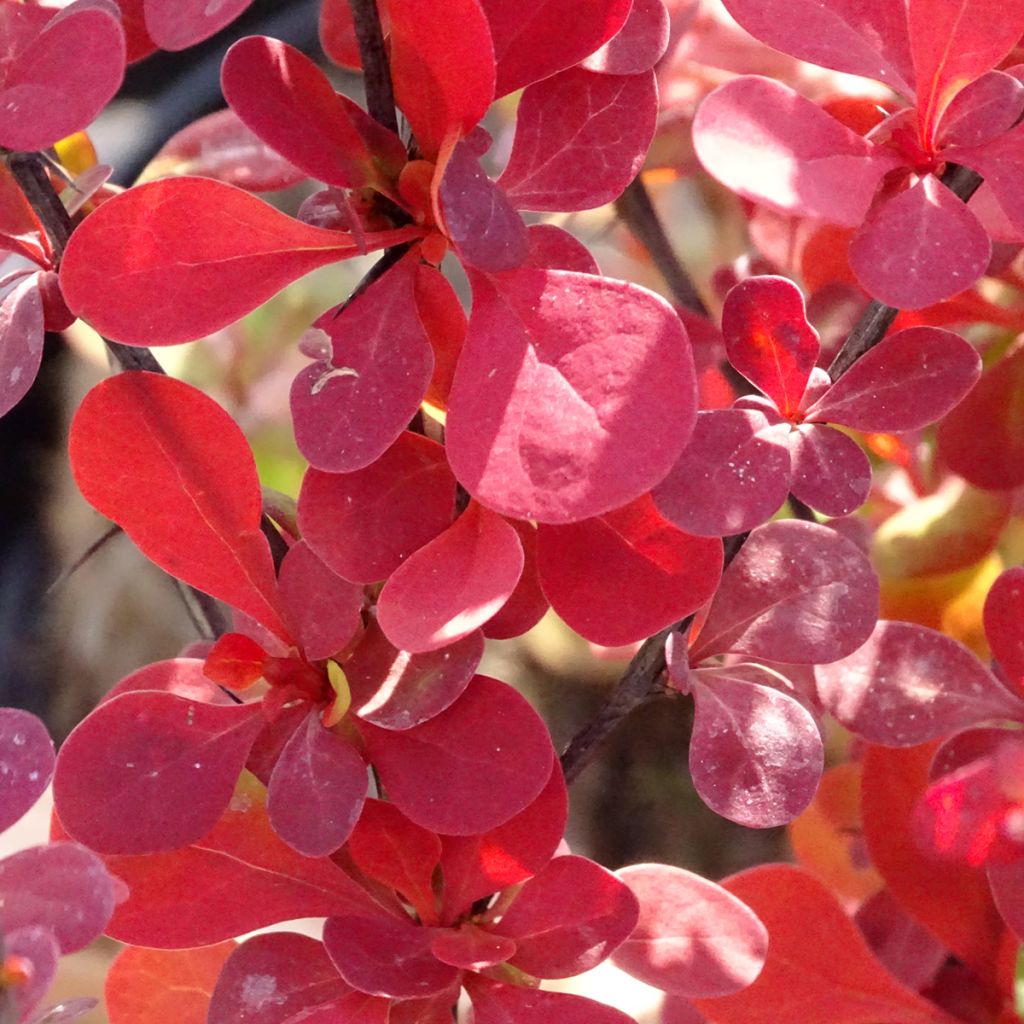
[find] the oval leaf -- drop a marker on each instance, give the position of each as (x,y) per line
(638,45)
(831,473)
(26,763)
(1004,625)
(190,21)
(500,1004)
(21,341)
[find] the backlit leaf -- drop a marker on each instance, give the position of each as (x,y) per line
(638,45)
(21,341)
(188,22)
(26,763)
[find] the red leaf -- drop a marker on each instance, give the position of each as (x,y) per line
(471,947)
(765,142)
(580,139)
(820,975)
(622,576)
(910,379)
(62,886)
(1004,625)
(290,104)
(694,938)
(34,952)
(21,341)
(338,34)
(442,64)
(137,39)
(364,524)
(322,608)
(953,42)
(859,38)
(556,418)
(568,918)
(150,771)
(20,230)
(26,763)
(983,439)
(513,1004)
(129,264)
(489,754)
(354,1008)
(386,956)
(316,790)
(172,468)
(909,684)
(920,247)
(478,217)
(527,604)
(983,110)
(638,45)
(395,689)
(271,978)
(189,21)
(185,677)
(479,865)
(220,146)
(998,162)
(831,473)
(768,339)
(350,409)
(453,585)
(756,753)
(796,593)
(554,248)
(152,986)
(57,80)
(537,38)
(733,475)
(444,320)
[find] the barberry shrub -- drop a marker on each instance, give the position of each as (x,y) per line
(790,492)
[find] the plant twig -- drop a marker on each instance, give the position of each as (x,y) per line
(68,571)
(29,171)
(636,210)
(380,94)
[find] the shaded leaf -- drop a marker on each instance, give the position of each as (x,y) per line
(982,110)
(21,341)
(554,248)
(638,45)
(527,603)
(513,1004)
(831,473)
(26,763)
(471,947)
(338,34)
(1004,625)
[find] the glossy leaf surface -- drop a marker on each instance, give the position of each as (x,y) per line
(26,763)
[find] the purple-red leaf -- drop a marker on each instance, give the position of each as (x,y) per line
(554,248)
(694,938)
(316,790)
(580,139)
(771,145)
(489,754)
(181,25)
(36,951)
(151,771)
(830,471)
(733,476)
(910,379)
(919,247)
(1004,625)
(908,684)
(514,1004)
(638,45)
(350,409)
(557,418)
(21,341)
(26,763)
(622,576)
(171,467)
(796,593)
(453,585)
(982,110)
(178,258)
(527,603)
(756,754)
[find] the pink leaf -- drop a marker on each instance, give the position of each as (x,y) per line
(26,763)
(290,104)
(910,379)
(1004,625)
(622,576)
(756,754)
(481,222)
(386,956)
(270,978)
(554,248)
(908,684)
(796,593)
(831,473)
(527,603)
(316,790)
(364,524)
(568,918)
(63,887)
(638,45)
(998,161)
(453,585)
(489,754)
(171,467)
(868,39)
(768,339)
(556,418)
(920,247)
(694,938)
(537,38)
(57,81)
(349,410)
(733,476)
(21,341)
(190,21)
(512,1004)
(396,689)
(580,139)
(322,608)
(129,264)
(767,143)
(983,110)
(151,771)
(36,951)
